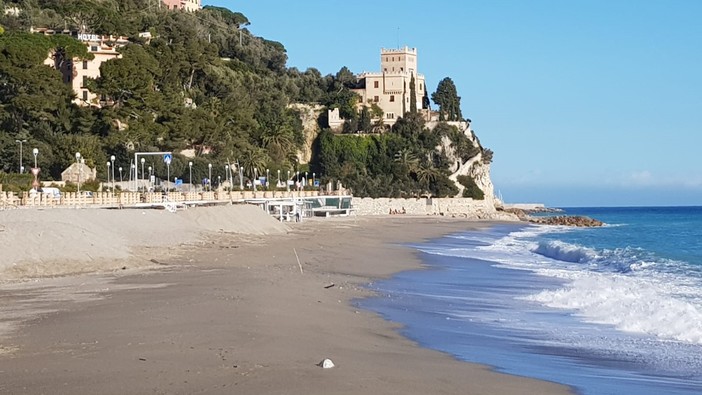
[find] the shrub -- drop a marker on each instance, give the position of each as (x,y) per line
(472,190)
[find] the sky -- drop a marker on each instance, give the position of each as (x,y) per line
(584,103)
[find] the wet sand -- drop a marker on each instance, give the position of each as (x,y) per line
(239,313)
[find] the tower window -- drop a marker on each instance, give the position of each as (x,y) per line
(392,98)
(376,99)
(375,84)
(85,64)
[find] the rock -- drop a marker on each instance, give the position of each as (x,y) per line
(326,363)
(567,220)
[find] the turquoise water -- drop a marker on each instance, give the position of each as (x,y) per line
(611,310)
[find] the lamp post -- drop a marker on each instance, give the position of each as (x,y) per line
(142,170)
(150,186)
(20,161)
(78,165)
(227,172)
(277,181)
(314,179)
(132,173)
(120,175)
(253,183)
(35,169)
(241,176)
(219,181)
(112,159)
(305,184)
(108,174)
(80,175)
(190,164)
(267,175)
(209,177)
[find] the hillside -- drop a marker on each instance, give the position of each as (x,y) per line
(204,87)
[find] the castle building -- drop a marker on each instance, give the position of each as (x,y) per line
(187,5)
(390,88)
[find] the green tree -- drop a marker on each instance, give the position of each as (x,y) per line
(413,96)
(448,100)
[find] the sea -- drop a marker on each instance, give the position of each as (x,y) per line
(608,310)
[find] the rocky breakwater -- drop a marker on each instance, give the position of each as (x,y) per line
(562,220)
(567,220)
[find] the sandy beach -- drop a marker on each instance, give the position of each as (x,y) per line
(215,300)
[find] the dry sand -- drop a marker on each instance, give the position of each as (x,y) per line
(230,310)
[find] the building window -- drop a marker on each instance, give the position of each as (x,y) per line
(85,95)
(390,115)
(85,64)
(402,69)
(94,48)
(85,81)
(375,84)
(385,69)
(421,86)
(392,98)
(376,99)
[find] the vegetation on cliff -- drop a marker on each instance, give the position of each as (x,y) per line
(202,84)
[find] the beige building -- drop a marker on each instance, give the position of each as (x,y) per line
(187,5)
(390,88)
(103,48)
(78,172)
(77,72)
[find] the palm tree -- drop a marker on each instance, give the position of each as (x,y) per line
(426,175)
(406,158)
(279,142)
(253,160)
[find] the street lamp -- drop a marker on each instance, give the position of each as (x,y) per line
(305,184)
(150,186)
(112,159)
(20,143)
(209,177)
(241,176)
(277,181)
(120,175)
(190,164)
(253,183)
(35,169)
(142,168)
(267,183)
(78,165)
(313,179)
(227,173)
(132,171)
(108,174)
(287,183)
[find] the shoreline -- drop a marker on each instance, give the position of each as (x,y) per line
(236,313)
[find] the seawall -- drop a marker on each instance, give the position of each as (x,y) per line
(454,207)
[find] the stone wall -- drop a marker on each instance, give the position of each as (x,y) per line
(453,207)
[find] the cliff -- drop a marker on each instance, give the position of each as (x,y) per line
(475,167)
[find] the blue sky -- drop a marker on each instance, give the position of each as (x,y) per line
(585,103)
